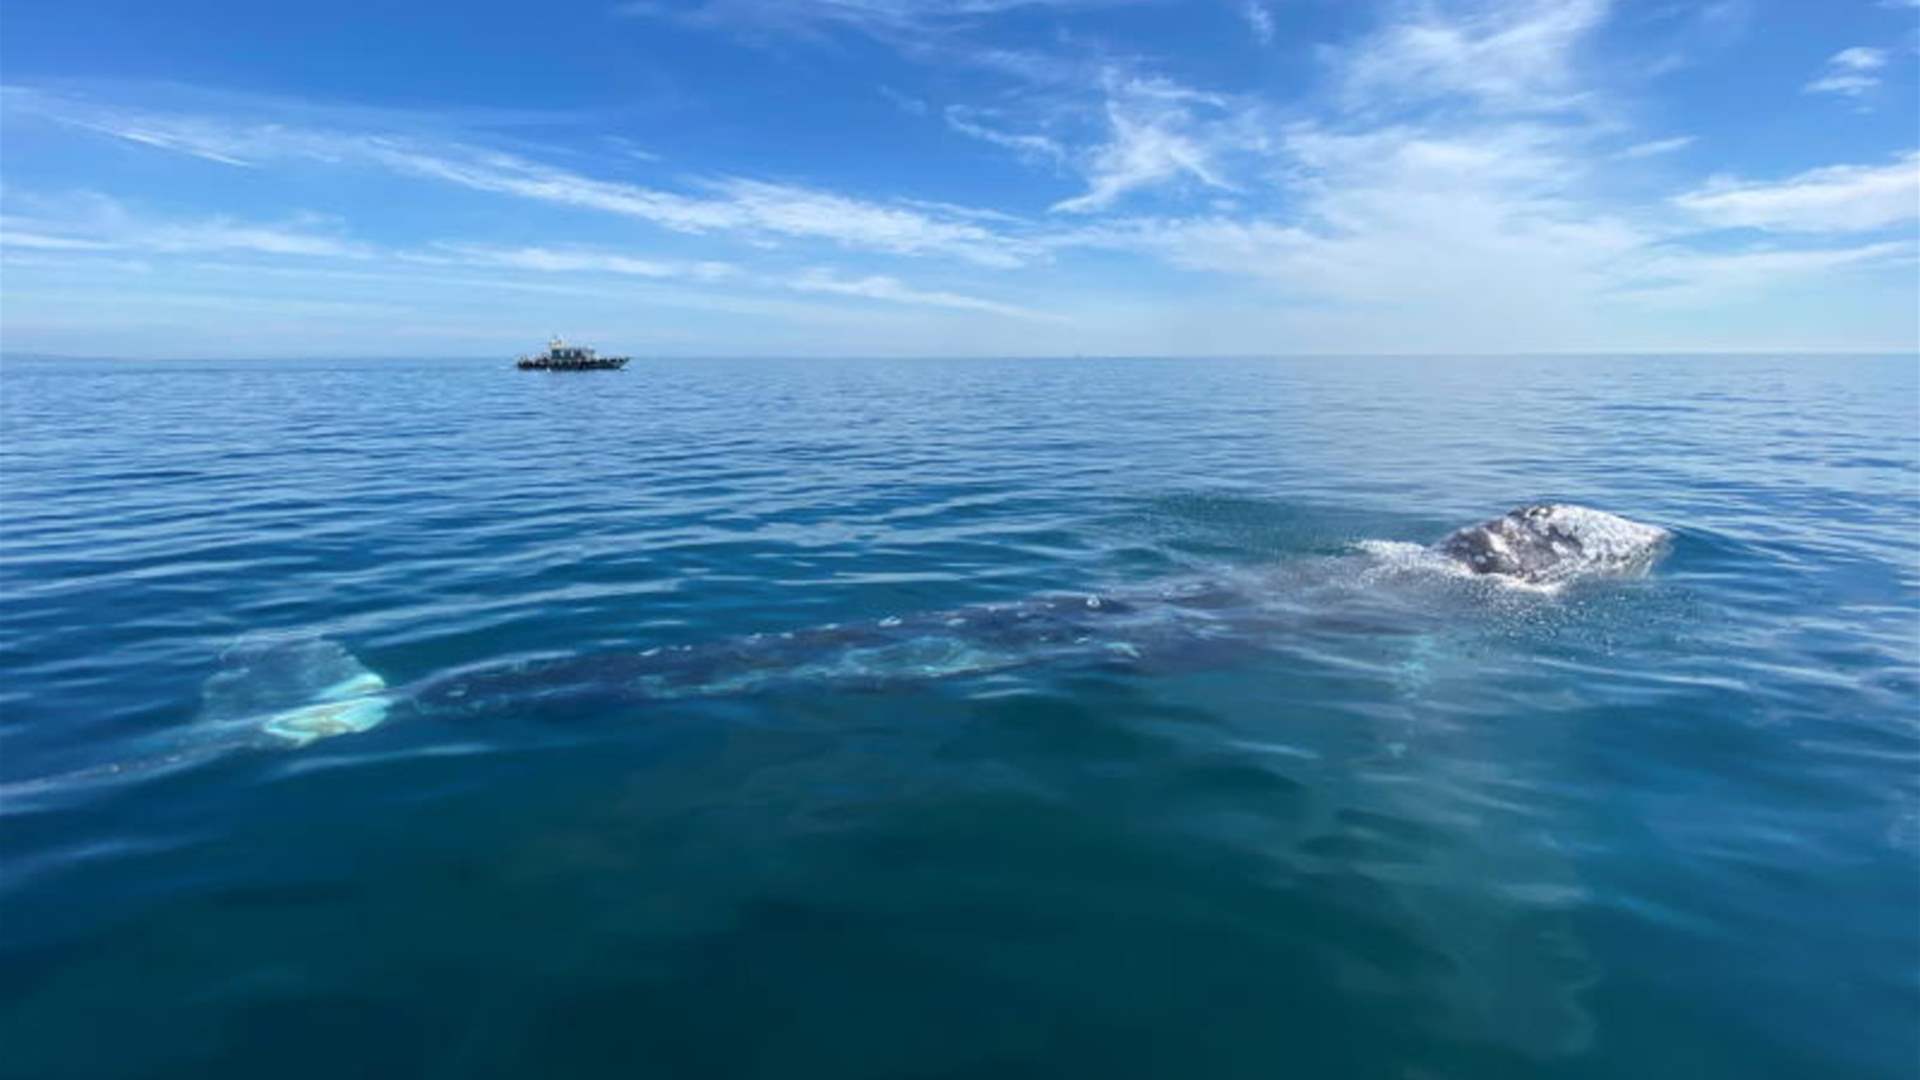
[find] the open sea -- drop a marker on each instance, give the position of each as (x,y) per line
(970,718)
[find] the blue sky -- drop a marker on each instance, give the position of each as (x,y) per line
(1003,177)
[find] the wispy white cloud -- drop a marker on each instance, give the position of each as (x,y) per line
(571,260)
(879,18)
(1860,58)
(1490,212)
(90,221)
(1510,55)
(1838,198)
(786,210)
(752,209)
(1656,147)
(1563,268)
(820,280)
(890,290)
(1850,72)
(194,144)
(946,33)
(91,227)
(964,213)
(1259,20)
(12,236)
(1159,132)
(1678,277)
(628,148)
(969,122)
(1378,213)
(906,103)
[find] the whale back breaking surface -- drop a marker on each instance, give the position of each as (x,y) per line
(1551,543)
(298,689)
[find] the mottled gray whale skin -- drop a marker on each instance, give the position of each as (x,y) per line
(302,690)
(1550,543)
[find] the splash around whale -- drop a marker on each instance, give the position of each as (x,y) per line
(298,690)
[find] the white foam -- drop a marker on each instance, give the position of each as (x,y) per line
(1398,555)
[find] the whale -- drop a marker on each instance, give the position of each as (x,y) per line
(296,690)
(1514,966)
(1545,543)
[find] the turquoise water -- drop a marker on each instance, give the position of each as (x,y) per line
(1279,805)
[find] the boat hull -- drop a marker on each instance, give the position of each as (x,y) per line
(600,363)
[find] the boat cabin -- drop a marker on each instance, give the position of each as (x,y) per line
(561,356)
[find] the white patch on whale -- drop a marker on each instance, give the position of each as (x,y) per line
(295,688)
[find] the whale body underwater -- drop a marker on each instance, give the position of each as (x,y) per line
(296,691)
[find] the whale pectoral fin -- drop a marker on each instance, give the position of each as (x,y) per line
(326,719)
(295,688)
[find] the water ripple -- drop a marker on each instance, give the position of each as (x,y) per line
(1363,822)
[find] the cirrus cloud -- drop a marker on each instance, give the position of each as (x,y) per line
(1837,198)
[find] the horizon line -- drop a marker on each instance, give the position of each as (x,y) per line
(1809,352)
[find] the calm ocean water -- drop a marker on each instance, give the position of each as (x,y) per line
(1384,826)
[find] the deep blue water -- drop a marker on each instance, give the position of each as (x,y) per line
(1394,826)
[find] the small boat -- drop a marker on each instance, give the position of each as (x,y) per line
(561,356)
